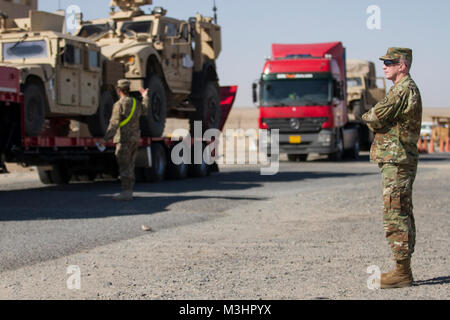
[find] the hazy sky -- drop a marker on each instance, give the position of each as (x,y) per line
(250,27)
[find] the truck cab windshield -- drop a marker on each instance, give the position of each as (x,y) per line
(295,92)
(25,50)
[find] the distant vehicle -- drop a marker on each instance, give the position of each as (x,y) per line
(426,130)
(362,94)
(302,93)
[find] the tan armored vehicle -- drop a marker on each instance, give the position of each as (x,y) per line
(362,90)
(174,58)
(61,75)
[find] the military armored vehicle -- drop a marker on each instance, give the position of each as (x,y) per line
(175,59)
(362,90)
(61,76)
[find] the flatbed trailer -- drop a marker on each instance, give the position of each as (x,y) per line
(61,158)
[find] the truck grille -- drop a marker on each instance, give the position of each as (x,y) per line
(296,124)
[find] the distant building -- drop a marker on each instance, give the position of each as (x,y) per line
(18,8)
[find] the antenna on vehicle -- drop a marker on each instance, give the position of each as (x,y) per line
(215,12)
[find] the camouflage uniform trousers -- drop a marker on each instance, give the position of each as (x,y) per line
(126,159)
(398,217)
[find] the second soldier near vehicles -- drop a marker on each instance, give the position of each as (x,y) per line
(396,122)
(124,127)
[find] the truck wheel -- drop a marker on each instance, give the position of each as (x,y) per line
(208,109)
(358,109)
(34,109)
(339,154)
(159,164)
(99,122)
(154,123)
(45,176)
(60,174)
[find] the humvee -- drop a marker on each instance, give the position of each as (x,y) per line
(362,90)
(61,76)
(174,58)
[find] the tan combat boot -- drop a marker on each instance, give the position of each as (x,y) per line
(401,277)
(124,196)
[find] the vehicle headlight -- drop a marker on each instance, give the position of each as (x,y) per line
(325,138)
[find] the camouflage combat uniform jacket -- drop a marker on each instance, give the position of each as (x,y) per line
(396,121)
(121,111)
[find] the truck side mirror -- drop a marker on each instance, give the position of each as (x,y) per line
(255,92)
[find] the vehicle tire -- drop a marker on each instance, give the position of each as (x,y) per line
(339,154)
(177,171)
(358,109)
(198,170)
(159,164)
(60,174)
(353,153)
(208,109)
(99,122)
(35,102)
(45,176)
(154,123)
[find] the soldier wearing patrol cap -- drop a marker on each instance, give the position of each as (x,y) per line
(124,127)
(396,122)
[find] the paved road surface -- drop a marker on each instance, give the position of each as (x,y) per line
(304,229)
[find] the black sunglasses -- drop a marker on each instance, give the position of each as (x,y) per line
(388,63)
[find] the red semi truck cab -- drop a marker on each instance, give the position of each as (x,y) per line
(302,93)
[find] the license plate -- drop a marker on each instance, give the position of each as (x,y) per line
(295,139)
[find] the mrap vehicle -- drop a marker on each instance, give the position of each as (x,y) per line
(61,158)
(302,93)
(174,58)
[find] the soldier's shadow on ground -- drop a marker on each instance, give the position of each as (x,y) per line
(434,281)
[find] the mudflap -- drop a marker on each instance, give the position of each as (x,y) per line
(227,98)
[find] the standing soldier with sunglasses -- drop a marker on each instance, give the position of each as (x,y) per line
(124,127)
(396,122)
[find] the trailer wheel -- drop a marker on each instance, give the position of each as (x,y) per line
(34,109)
(198,170)
(177,171)
(153,124)
(99,122)
(159,164)
(60,174)
(45,176)
(208,109)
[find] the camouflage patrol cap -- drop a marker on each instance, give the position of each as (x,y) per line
(124,83)
(396,53)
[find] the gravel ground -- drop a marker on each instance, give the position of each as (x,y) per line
(313,239)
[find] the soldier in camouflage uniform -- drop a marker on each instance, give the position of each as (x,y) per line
(124,127)
(396,122)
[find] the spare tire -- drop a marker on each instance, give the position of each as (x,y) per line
(35,102)
(99,122)
(208,109)
(154,123)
